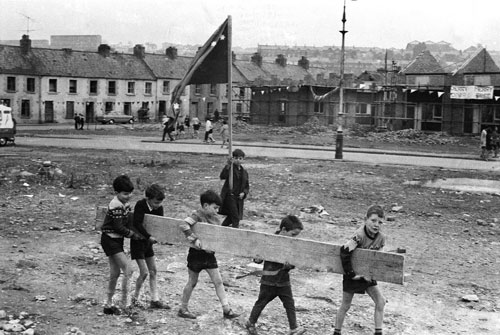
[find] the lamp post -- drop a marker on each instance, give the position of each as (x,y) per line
(339,142)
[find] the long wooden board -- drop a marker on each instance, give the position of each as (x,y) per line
(378,265)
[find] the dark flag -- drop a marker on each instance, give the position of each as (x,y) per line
(209,65)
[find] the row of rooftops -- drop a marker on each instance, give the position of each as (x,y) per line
(25,60)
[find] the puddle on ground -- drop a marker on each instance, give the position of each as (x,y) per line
(463,184)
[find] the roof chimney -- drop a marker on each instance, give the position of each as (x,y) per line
(171,52)
(139,51)
(25,44)
(281,60)
(104,50)
(304,63)
(257,59)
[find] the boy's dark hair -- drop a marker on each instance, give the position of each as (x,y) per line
(210,197)
(375,209)
(155,191)
(238,153)
(123,184)
(291,222)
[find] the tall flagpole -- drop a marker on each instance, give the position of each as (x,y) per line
(230,93)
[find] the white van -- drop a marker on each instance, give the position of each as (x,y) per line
(7,125)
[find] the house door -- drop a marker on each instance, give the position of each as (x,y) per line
(89,112)
(49,111)
(418,117)
(162,108)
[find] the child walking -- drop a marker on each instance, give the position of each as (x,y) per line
(275,282)
(142,250)
(199,259)
(114,229)
(224,133)
(366,237)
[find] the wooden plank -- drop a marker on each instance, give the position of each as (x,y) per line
(378,265)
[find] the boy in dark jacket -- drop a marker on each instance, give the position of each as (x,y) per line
(275,282)
(233,199)
(142,250)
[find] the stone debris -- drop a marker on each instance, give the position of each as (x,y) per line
(470,298)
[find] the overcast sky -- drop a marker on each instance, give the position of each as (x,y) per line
(381,23)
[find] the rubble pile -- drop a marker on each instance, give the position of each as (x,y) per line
(312,126)
(412,136)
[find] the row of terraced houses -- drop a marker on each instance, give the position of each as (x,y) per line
(50,85)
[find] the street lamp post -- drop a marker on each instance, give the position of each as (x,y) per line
(339,142)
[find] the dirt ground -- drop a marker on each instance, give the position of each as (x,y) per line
(53,272)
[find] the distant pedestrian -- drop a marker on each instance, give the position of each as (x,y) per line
(196,126)
(168,127)
(224,133)
(209,129)
(495,138)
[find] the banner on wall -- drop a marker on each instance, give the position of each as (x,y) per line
(471,92)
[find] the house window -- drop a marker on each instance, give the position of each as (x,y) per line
(93,87)
(166,87)
(30,85)
(111,87)
(432,112)
(11,84)
(210,106)
(197,89)
(148,89)
(242,92)
(109,106)
(70,109)
(213,89)
(422,80)
(131,87)
(53,85)
(72,86)
(25,109)
(482,80)
(410,112)
(224,108)
(239,108)
(319,107)
(363,108)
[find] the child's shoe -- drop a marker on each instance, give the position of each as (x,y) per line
(251,328)
(186,314)
(297,331)
(111,310)
(230,314)
(157,304)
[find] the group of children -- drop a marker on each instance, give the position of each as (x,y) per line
(119,223)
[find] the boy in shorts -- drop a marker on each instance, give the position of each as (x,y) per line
(366,237)
(199,259)
(142,250)
(114,229)
(275,282)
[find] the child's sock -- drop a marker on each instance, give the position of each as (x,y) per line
(378,331)
(336,332)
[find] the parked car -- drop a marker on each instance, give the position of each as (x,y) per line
(114,117)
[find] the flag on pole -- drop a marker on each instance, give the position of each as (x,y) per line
(209,65)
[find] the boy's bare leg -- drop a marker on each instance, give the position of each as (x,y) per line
(123,264)
(114,273)
(151,264)
(379,300)
(344,307)
(219,288)
(143,274)
(188,289)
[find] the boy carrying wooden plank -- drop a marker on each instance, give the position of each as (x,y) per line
(199,259)
(366,237)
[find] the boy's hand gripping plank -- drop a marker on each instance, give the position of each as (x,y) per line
(382,266)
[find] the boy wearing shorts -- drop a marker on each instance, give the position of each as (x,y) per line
(199,259)
(114,229)
(142,250)
(366,237)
